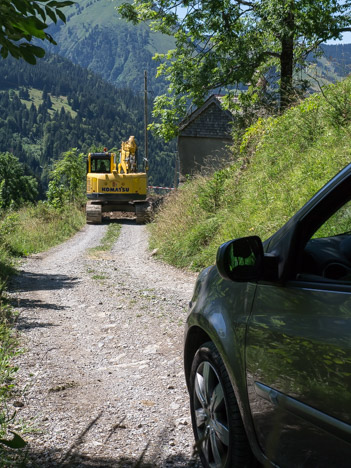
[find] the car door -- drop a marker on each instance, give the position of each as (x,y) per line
(298,355)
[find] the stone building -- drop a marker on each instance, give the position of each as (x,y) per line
(204,136)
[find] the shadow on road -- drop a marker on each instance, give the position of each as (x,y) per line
(148,458)
(24,324)
(123,221)
(35,304)
(31,282)
(27,281)
(46,459)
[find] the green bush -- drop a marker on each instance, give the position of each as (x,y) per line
(16,188)
(67,180)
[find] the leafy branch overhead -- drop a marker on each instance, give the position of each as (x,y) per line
(230,43)
(23,20)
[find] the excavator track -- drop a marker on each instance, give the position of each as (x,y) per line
(94,213)
(142,212)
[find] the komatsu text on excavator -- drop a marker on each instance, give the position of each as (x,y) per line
(115,185)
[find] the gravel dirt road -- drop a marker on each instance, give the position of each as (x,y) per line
(101,380)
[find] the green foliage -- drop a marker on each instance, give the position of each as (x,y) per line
(7,351)
(23,20)
(225,44)
(67,180)
(211,192)
(167,111)
(8,227)
(279,164)
(15,443)
(188,221)
(16,188)
(337,224)
(34,229)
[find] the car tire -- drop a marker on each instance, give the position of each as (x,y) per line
(220,436)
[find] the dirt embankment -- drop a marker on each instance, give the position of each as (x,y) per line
(101,380)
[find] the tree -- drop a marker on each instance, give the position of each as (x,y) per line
(228,43)
(67,179)
(23,20)
(16,188)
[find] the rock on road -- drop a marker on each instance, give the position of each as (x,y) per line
(101,379)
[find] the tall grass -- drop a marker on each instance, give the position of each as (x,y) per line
(34,229)
(8,349)
(279,164)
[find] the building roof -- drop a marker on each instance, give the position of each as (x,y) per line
(209,120)
(213,99)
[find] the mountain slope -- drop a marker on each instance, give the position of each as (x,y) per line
(97,39)
(332,66)
(56,105)
(338,58)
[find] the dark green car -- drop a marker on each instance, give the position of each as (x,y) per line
(268,343)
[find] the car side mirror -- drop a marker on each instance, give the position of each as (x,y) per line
(241,259)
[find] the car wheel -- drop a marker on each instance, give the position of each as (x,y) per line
(220,436)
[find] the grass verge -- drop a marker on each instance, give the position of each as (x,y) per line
(8,350)
(34,229)
(108,240)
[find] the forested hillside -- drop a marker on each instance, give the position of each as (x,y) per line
(55,106)
(96,38)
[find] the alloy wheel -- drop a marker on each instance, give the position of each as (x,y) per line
(211,415)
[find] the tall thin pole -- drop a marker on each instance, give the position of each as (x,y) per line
(145,117)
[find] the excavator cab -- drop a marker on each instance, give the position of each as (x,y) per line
(100,163)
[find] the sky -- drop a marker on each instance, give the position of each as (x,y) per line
(346,39)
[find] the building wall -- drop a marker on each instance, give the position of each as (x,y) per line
(196,152)
(204,139)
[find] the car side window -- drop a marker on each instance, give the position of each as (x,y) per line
(339,223)
(327,255)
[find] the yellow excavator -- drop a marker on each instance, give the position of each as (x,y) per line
(115,185)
